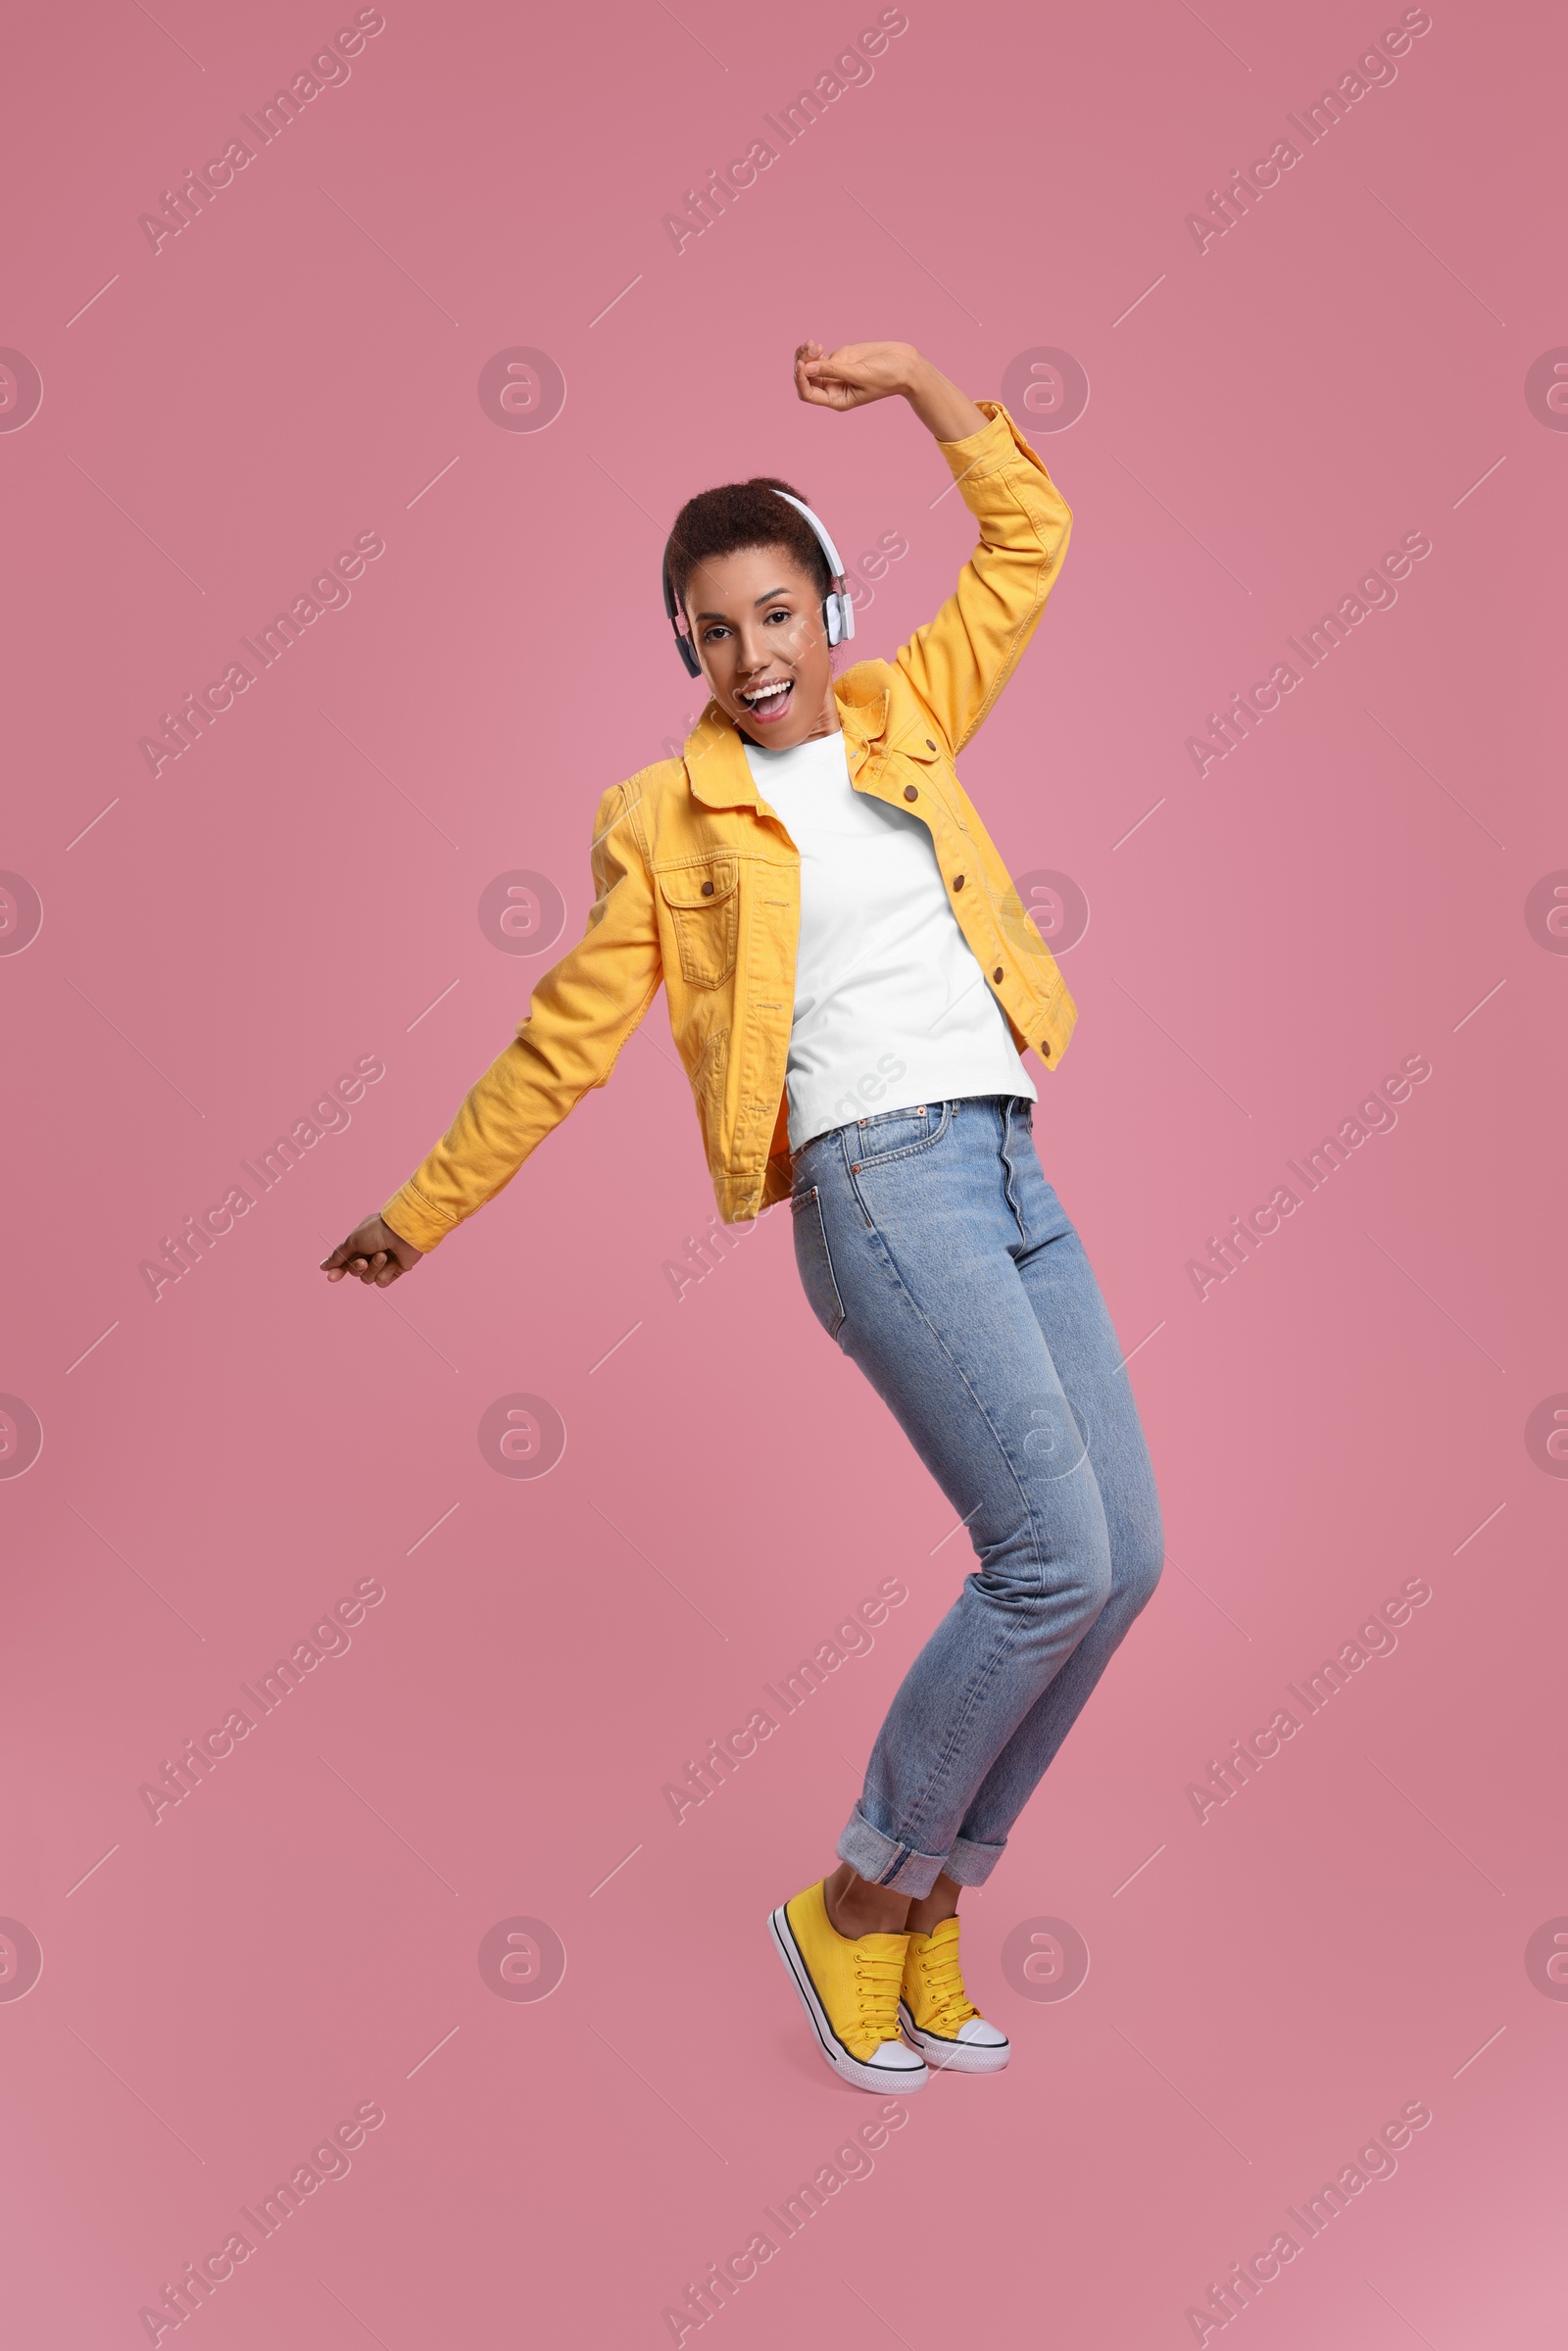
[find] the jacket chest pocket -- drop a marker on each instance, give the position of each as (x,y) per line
(704,907)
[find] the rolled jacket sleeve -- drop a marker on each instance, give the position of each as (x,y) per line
(958,663)
(579,1017)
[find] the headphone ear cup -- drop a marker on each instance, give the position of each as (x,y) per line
(688,651)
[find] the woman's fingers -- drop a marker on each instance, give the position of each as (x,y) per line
(341,1260)
(834,394)
(809,362)
(840,379)
(359,1266)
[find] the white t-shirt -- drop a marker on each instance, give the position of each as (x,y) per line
(891,1006)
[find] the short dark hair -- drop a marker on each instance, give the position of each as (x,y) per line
(743,513)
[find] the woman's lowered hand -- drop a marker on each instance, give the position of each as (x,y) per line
(372,1253)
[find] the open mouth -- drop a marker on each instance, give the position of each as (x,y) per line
(768,701)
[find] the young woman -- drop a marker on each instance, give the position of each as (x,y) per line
(835,929)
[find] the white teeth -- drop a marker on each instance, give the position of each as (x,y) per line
(766,693)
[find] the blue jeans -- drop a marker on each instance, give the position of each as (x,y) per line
(935,1254)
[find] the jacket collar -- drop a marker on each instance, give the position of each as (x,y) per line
(716,766)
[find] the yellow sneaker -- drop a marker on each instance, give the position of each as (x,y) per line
(850,1990)
(938,2015)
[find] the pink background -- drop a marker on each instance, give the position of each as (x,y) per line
(218,418)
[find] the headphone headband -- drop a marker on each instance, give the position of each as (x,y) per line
(820,529)
(838,610)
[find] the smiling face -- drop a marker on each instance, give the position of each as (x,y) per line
(756,618)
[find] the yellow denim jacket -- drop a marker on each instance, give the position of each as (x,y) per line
(697,884)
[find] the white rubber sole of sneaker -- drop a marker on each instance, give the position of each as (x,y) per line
(952,2056)
(888,2082)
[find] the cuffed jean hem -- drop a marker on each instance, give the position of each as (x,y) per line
(883,1861)
(969,1864)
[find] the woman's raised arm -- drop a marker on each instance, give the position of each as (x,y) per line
(959,661)
(858,373)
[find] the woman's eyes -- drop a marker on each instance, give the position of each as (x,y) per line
(780,611)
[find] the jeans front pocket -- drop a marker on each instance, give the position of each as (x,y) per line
(896,1133)
(813,1262)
